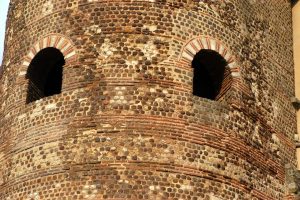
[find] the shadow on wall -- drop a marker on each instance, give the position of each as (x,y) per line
(209,68)
(44,74)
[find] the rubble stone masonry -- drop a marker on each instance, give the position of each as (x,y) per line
(126,124)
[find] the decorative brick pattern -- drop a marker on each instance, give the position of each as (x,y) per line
(232,70)
(126,124)
(56,41)
(196,44)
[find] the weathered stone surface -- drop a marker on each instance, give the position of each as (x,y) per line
(126,125)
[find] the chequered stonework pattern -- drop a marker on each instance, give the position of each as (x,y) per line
(126,125)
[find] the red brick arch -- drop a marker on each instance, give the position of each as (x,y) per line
(232,77)
(60,42)
(193,46)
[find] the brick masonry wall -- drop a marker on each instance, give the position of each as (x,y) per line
(126,125)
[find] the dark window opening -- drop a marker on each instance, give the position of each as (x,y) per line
(209,68)
(44,74)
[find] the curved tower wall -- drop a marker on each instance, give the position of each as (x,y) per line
(126,124)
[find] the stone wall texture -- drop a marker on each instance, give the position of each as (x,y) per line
(126,124)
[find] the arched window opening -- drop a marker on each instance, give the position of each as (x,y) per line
(45,74)
(209,74)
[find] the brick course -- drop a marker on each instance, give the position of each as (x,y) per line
(126,125)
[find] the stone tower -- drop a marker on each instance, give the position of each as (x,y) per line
(147,99)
